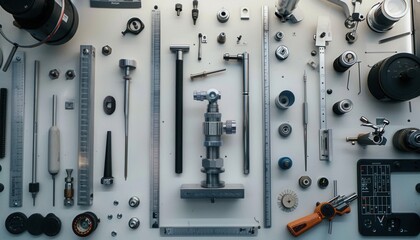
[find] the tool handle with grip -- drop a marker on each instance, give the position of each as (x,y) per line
(54,150)
(178,115)
(301,225)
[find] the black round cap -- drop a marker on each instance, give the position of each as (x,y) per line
(51,225)
(16,223)
(35,222)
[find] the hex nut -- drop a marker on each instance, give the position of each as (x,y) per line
(70,74)
(215,163)
(305,181)
(134,202)
(106,50)
(54,74)
(223,15)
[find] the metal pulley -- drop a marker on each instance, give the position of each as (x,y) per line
(396,78)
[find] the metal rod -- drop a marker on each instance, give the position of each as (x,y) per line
(330,224)
(54,111)
(34,186)
(305,120)
(384,40)
(204,73)
(126,117)
(360,80)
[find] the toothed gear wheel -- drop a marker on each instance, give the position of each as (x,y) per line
(287,200)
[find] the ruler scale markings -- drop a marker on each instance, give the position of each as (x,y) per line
(155,121)
(17,130)
(266,119)
(86,125)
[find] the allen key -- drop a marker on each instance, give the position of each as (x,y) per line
(244,58)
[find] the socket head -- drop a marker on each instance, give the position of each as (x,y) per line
(107,180)
(128,63)
(180,47)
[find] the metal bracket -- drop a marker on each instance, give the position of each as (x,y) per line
(322,38)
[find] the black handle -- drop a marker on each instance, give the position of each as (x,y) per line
(3,111)
(178,115)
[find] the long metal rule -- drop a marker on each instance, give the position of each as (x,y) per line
(322,38)
(248,231)
(266,120)
(415,8)
(155,128)
(86,128)
(17,130)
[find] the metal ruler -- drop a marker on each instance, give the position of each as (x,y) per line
(86,122)
(415,8)
(248,231)
(322,38)
(17,130)
(155,130)
(115,3)
(266,120)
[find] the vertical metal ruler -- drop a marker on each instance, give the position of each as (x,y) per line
(86,125)
(17,130)
(155,128)
(415,8)
(323,37)
(266,120)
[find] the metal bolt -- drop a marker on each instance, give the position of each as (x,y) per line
(119,215)
(110,216)
(282,52)
(106,50)
(70,74)
(279,36)
(178,8)
(116,203)
(85,51)
(114,233)
(54,74)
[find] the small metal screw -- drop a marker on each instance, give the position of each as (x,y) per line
(70,74)
(106,50)
(54,74)
(329,91)
(116,203)
(85,51)
(178,8)
(313,53)
(110,216)
(134,223)
(119,215)
(114,233)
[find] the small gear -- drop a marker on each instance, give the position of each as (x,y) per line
(287,200)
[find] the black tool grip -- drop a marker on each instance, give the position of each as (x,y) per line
(3,111)
(178,115)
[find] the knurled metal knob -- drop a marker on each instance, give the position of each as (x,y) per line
(230,127)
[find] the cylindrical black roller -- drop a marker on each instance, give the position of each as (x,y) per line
(345,61)
(35,224)
(342,107)
(407,140)
(396,78)
(16,223)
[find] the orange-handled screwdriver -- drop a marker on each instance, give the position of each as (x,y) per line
(339,205)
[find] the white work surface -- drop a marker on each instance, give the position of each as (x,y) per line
(100,27)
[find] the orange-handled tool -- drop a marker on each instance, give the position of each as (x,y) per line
(339,205)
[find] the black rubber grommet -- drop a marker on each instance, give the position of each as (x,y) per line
(109,105)
(16,223)
(51,225)
(34,224)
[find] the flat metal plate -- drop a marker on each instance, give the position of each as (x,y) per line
(195,191)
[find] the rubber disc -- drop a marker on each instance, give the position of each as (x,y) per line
(16,223)
(34,225)
(51,225)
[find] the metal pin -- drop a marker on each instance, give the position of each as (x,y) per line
(360,80)
(204,73)
(394,37)
(348,81)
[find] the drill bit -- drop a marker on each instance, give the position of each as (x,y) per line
(204,74)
